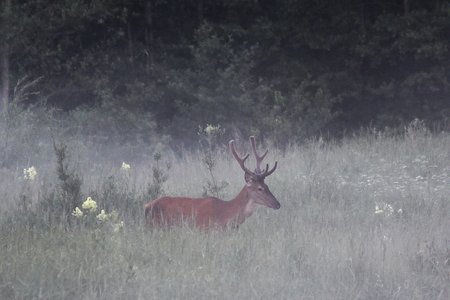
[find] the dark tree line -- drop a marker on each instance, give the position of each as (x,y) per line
(288,68)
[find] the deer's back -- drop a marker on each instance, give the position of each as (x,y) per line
(173,210)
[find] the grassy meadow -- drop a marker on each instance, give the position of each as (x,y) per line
(364,218)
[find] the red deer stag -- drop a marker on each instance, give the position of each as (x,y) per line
(213,212)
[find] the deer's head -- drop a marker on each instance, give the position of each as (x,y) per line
(257,190)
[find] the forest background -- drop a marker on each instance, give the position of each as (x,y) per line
(158,69)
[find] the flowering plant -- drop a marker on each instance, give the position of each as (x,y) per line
(103,219)
(125,166)
(30,173)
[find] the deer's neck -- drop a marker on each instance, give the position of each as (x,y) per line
(240,208)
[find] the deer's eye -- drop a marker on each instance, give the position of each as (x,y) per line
(260,188)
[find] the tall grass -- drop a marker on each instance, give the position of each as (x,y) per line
(366,218)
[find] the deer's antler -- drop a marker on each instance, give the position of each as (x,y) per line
(240,160)
(259,158)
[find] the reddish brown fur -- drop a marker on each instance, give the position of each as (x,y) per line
(213,212)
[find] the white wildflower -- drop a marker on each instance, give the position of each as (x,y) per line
(118,226)
(125,166)
(389,209)
(378,210)
(102,216)
(89,204)
(30,173)
(77,213)
(211,130)
(384,208)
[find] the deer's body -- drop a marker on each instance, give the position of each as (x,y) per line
(203,212)
(213,212)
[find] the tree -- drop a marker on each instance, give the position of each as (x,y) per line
(5,17)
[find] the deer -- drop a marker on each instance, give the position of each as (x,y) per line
(211,212)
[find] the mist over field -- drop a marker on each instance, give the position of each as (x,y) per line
(365,218)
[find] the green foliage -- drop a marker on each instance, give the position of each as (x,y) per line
(216,81)
(210,150)
(291,69)
(24,133)
(110,122)
(59,206)
(414,54)
(304,113)
(155,189)
(117,193)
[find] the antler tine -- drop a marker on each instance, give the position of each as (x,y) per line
(271,170)
(259,158)
(240,160)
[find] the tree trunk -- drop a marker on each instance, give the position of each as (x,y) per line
(4,57)
(406,6)
(149,39)
(4,81)
(200,11)
(130,42)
